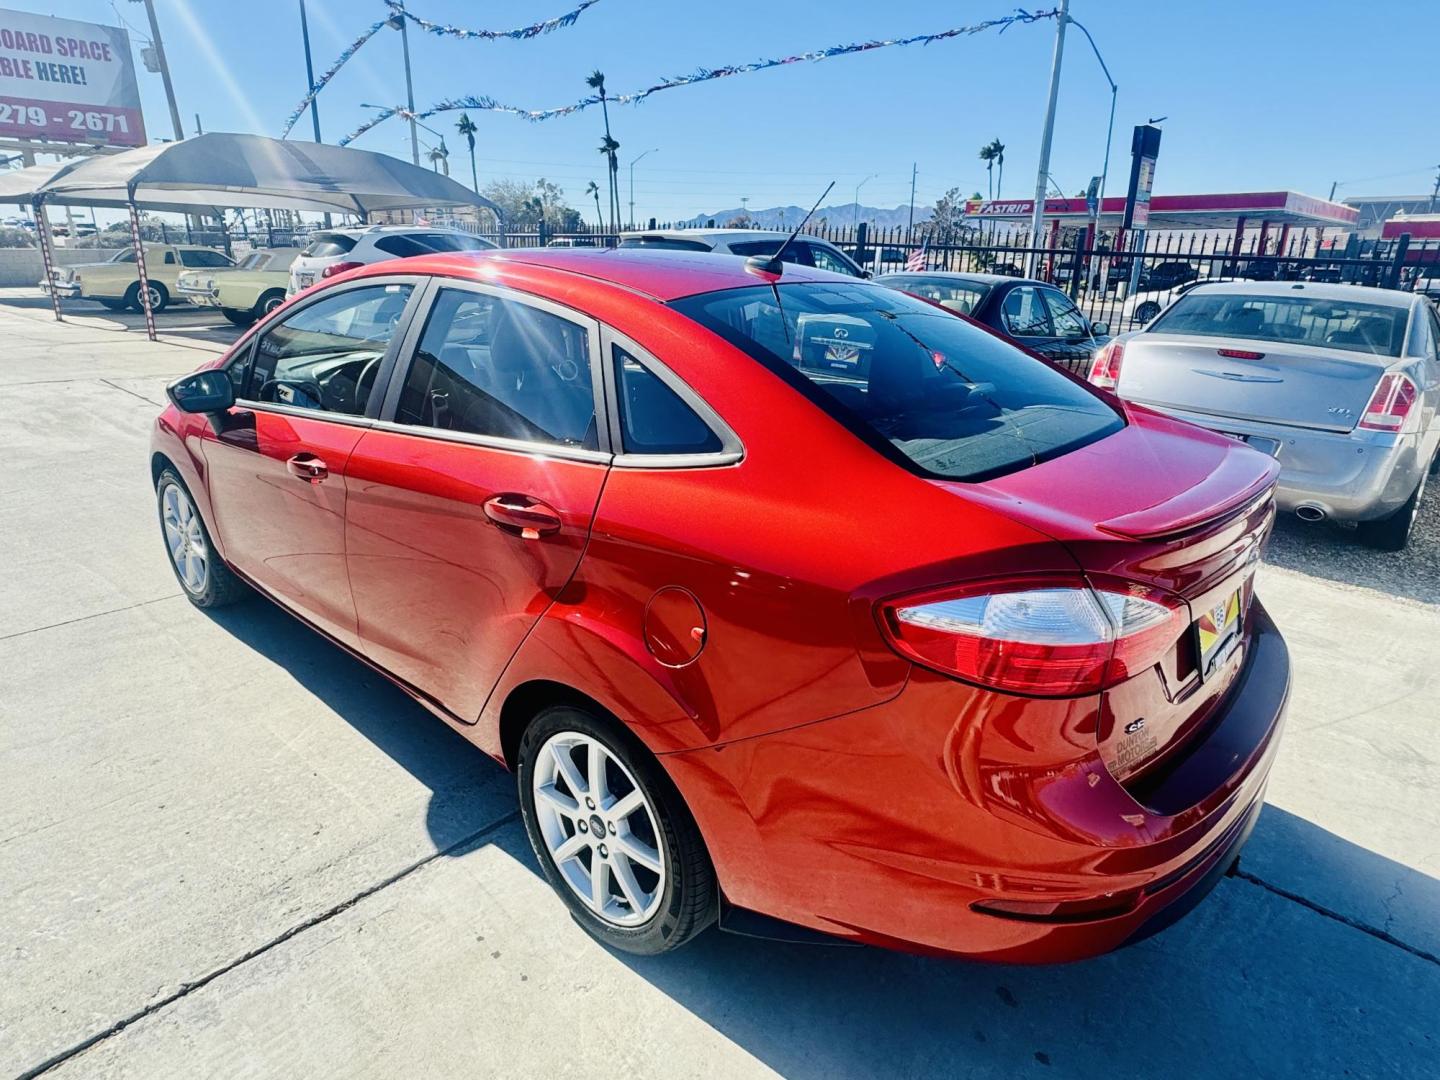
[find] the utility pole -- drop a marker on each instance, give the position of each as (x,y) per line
(1042,173)
(1435,194)
(164,71)
(397,22)
(914,172)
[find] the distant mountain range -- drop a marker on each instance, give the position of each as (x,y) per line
(778,217)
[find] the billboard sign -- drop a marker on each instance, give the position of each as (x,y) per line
(67,81)
(1144,149)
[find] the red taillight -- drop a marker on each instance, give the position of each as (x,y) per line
(1390,404)
(1048,636)
(1105,365)
(339,268)
(1241,354)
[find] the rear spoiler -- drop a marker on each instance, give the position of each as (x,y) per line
(1241,479)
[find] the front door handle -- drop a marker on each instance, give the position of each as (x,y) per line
(522,515)
(307,467)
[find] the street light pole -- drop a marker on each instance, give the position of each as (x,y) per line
(914,172)
(398,21)
(855,217)
(1047,135)
(164,67)
(310,84)
(652,150)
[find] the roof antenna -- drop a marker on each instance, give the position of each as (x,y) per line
(771,264)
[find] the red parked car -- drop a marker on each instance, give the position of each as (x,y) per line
(793,601)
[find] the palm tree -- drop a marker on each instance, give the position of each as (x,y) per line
(999,149)
(593,189)
(466,127)
(438,156)
(987,155)
(596,82)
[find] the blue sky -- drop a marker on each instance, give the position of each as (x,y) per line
(1259,94)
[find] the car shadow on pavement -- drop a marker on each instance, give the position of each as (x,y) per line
(1283,971)
(462,779)
(1336,554)
(179,320)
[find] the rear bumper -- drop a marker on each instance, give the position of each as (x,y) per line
(1350,476)
(897,825)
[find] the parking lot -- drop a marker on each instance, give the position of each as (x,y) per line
(226,847)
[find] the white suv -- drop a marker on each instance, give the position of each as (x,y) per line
(333,251)
(805,251)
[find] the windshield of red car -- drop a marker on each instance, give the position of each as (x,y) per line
(937,394)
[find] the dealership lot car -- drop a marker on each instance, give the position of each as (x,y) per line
(1340,382)
(116,282)
(245,292)
(333,251)
(1032,313)
(802,251)
(781,593)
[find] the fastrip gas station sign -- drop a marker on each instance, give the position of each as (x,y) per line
(67,81)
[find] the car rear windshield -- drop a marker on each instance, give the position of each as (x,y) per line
(326,244)
(957,294)
(1378,329)
(404,245)
(933,392)
(666,243)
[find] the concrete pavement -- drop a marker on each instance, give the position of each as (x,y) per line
(226,848)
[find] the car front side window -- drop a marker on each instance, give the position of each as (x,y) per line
(826,259)
(495,367)
(1069,323)
(1025,314)
(327,355)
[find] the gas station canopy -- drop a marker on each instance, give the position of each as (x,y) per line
(1191,212)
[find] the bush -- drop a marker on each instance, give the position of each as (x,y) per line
(11,237)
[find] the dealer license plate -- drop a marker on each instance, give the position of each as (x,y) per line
(1218,629)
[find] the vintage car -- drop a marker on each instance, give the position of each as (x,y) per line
(245,292)
(116,284)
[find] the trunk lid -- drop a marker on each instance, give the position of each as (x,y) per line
(1266,381)
(1165,504)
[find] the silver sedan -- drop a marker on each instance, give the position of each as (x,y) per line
(1341,383)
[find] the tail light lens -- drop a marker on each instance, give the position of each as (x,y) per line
(1390,404)
(1044,636)
(339,268)
(1105,365)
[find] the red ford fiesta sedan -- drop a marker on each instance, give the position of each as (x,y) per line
(793,601)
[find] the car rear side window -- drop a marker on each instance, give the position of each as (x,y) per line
(327,245)
(404,245)
(933,392)
(204,258)
(491,366)
(654,419)
(664,243)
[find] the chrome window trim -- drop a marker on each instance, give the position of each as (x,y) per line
(300,412)
(494,442)
(731,451)
(416,333)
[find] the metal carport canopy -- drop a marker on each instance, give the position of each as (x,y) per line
(220,169)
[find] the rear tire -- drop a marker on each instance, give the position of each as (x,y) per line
(643,909)
(203,575)
(268,303)
(1146,311)
(158,298)
(1393,533)
(236,317)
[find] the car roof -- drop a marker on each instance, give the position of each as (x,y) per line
(662,274)
(358,231)
(1318,289)
(715,234)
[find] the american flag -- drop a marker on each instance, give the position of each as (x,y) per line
(421,219)
(916,262)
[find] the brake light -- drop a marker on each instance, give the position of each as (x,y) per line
(1105,366)
(1050,636)
(1241,354)
(339,268)
(1390,404)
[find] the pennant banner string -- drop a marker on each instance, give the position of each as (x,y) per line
(519,34)
(489,104)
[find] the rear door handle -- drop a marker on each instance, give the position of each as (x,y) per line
(307,467)
(520,514)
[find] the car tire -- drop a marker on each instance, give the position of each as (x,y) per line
(1393,533)
(160,297)
(202,574)
(670,876)
(236,317)
(1146,311)
(268,302)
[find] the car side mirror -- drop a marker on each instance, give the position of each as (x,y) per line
(1100,329)
(203,392)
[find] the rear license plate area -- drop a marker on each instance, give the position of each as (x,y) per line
(1218,630)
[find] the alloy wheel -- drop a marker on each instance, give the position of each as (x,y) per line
(599,828)
(185,539)
(154,295)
